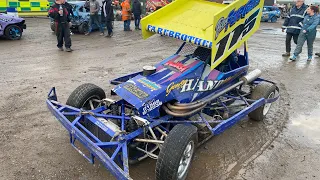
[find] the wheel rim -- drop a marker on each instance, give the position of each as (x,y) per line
(92,103)
(268,105)
(185,160)
(14,33)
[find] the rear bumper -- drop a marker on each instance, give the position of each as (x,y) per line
(24,26)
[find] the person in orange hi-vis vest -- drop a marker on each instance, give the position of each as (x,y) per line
(126,14)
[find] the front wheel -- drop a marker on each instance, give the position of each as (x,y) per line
(274,19)
(86,96)
(176,154)
(13,32)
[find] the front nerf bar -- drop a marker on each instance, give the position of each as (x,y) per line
(117,159)
(95,147)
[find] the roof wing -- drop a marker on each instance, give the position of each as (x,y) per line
(222,28)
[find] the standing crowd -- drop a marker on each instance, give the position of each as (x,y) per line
(301,26)
(61,13)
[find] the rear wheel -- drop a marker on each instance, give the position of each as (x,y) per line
(176,154)
(13,32)
(52,26)
(274,19)
(262,90)
(118,17)
(83,28)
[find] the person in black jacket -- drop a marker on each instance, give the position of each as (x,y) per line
(293,24)
(70,11)
(69,8)
(136,9)
(107,11)
(60,14)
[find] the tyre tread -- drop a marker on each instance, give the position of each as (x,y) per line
(173,147)
(82,93)
(261,90)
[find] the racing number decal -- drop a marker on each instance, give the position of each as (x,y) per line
(236,35)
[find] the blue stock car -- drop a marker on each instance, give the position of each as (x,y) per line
(270,13)
(80,20)
(166,111)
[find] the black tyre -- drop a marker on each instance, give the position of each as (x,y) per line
(262,90)
(274,19)
(83,28)
(118,17)
(176,153)
(13,32)
(84,96)
(52,26)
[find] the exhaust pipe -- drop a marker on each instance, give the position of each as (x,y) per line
(187,109)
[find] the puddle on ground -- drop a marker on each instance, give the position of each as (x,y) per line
(308,125)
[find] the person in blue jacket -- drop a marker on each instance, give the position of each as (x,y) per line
(308,32)
(292,24)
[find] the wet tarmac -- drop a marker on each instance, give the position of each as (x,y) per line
(34,145)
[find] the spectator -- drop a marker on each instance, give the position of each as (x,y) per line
(308,32)
(292,24)
(136,9)
(107,11)
(126,15)
(60,14)
(94,17)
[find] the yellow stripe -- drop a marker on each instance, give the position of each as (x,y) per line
(44,4)
(33,13)
(35,9)
(24,4)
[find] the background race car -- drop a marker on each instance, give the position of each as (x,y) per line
(270,13)
(11,27)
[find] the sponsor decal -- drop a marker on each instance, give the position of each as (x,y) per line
(234,16)
(195,85)
(149,84)
(178,65)
(135,91)
(201,86)
(236,35)
(181,36)
(150,106)
(100,125)
(174,86)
